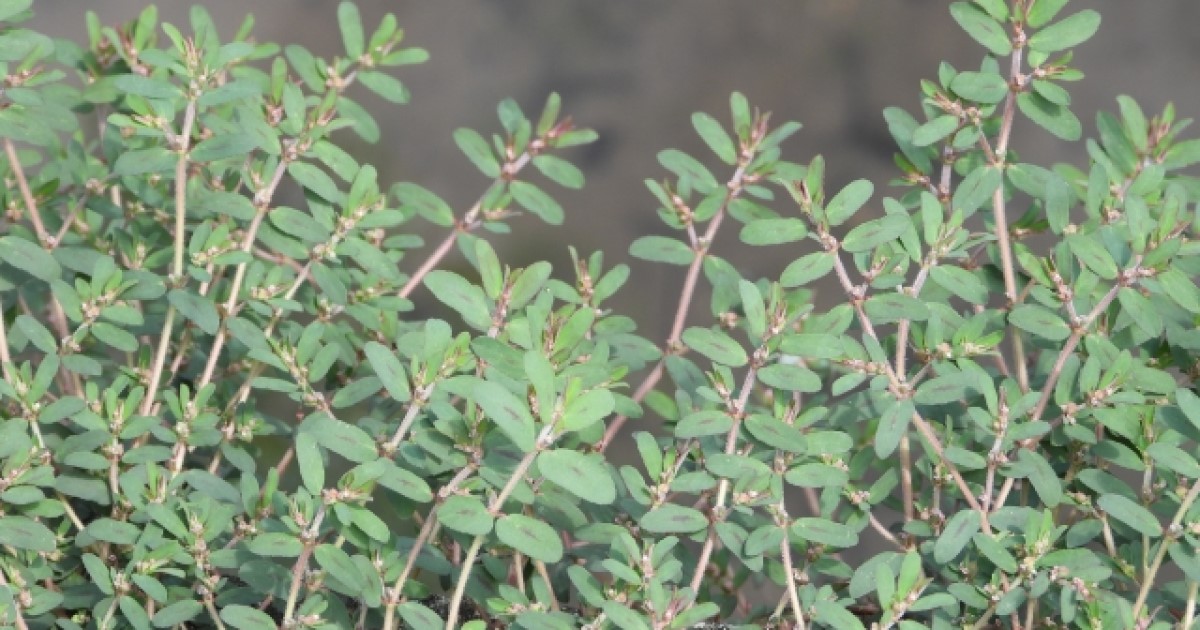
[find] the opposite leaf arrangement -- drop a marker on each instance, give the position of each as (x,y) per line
(217,413)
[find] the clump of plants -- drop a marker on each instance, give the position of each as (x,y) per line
(219,411)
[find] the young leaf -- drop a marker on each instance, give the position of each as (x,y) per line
(389,369)
(1054,118)
(824,532)
(245,617)
(773,231)
(956,536)
(539,203)
(982,28)
(477,150)
(715,137)
(670,518)
(1039,321)
(30,258)
(893,425)
(876,232)
(350,23)
(1130,513)
(806,269)
(960,282)
(848,201)
(465,514)
(661,249)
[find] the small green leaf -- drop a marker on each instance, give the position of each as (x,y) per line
(22,532)
(622,617)
(223,146)
(874,233)
(585,476)
(465,514)
(982,28)
(715,137)
(559,171)
(146,86)
(688,170)
(884,308)
(316,181)
(976,189)
(539,203)
(508,412)
(530,536)
(310,463)
(477,150)
(1056,119)
(790,377)
(670,518)
(824,532)
(389,369)
(848,201)
(176,614)
(960,282)
(956,536)
(427,204)
(981,87)
(773,231)
(340,566)
(30,258)
(350,23)
(716,346)
(275,545)
(1039,321)
(38,335)
(246,618)
(1130,513)
(141,161)
(1093,255)
(806,269)
(1066,33)
(419,617)
(113,531)
(775,433)
(702,423)
(1041,476)
(197,309)
(459,294)
(945,389)
(661,249)
(587,409)
(934,130)
(893,425)
(385,85)
(1141,311)
(10,8)
(1182,289)
(1175,459)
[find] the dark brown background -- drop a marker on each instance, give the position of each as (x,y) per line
(635,71)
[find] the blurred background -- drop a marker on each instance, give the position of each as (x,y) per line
(635,71)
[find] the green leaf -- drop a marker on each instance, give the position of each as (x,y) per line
(960,282)
(25,533)
(775,433)
(956,536)
(559,171)
(716,346)
(465,514)
(1056,119)
(817,475)
(115,337)
(981,87)
(1042,11)
(10,8)
(427,204)
(1066,33)
(824,532)
(140,161)
(275,545)
(1041,476)
(790,377)
(585,476)
(893,425)
(1175,459)
(1141,311)
(773,231)
(661,249)
(688,170)
(310,463)
(934,130)
(622,617)
(530,536)
(459,294)
(806,269)
(223,146)
(113,531)
(30,258)
(715,137)
(872,234)
(350,23)
(419,617)
(389,369)
(945,389)
(1039,321)
(539,203)
(587,409)
(1130,513)
(976,189)
(702,423)
(298,224)
(1093,255)
(477,150)
(343,438)
(246,618)
(1189,404)
(1182,154)
(884,308)
(178,613)
(386,86)
(670,518)
(315,180)
(146,86)
(848,201)
(982,28)
(1178,286)
(197,309)
(339,565)
(405,483)
(508,412)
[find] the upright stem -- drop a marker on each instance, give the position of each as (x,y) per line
(1172,532)
(785,548)
(999,212)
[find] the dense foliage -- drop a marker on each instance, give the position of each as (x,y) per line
(218,410)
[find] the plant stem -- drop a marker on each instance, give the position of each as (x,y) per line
(1189,615)
(1171,533)
(301,565)
(461,586)
(789,570)
(18,620)
(26,194)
